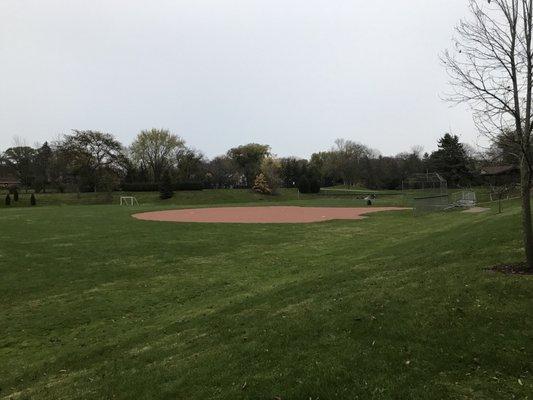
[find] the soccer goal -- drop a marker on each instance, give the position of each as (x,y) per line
(464,198)
(128,201)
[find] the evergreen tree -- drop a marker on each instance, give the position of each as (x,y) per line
(303,185)
(43,165)
(314,184)
(451,161)
(165,187)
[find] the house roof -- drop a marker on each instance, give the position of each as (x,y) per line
(498,169)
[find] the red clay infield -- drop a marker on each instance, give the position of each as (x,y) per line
(261,215)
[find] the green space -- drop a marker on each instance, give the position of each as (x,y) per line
(96,304)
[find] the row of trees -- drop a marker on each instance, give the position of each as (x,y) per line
(96,161)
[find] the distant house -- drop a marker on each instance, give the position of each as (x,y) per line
(498,175)
(7,181)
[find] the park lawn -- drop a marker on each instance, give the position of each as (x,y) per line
(95,304)
(195,197)
(208,197)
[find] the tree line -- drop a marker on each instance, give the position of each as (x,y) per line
(87,160)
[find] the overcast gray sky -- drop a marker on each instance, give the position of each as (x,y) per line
(295,74)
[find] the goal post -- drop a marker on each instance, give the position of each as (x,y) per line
(128,201)
(464,198)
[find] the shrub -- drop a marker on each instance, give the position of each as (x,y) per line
(16,195)
(303,185)
(309,184)
(8,200)
(165,187)
(154,187)
(261,185)
(314,185)
(33,200)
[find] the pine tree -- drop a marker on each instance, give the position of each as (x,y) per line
(303,185)
(165,187)
(451,160)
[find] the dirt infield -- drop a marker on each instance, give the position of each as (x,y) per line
(261,215)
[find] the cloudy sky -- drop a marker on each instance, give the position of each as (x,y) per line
(295,74)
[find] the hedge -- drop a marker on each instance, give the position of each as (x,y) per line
(154,187)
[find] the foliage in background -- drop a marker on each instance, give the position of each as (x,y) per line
(156,150)
(451,160)
(270,169)
(63,166)
(93,157)
(248,158)
(165,187)
(261,185)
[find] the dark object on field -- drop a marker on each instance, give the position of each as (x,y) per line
(512,269)
(369,202)
(33,201)
(8,200)
(165,187)
(16,195)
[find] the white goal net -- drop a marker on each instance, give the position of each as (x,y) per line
(128,201)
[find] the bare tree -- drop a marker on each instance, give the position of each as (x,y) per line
(491,69)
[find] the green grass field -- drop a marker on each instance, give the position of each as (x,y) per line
(95,304)
(204,198)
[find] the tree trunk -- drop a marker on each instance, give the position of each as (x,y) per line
(525,189)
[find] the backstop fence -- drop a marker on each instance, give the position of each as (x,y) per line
(428,191)
(429,204)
